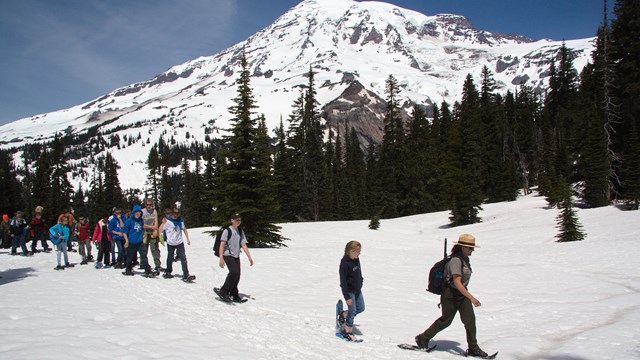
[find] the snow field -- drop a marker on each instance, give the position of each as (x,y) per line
(540,299)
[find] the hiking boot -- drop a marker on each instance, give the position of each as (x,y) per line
(223,295)
(422,341)
(476,352)
(83,262)
(128,272)
(238,299)
(58,267)
(69,265)
(167,276)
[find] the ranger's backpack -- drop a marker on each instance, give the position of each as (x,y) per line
(216,243)
(436,274)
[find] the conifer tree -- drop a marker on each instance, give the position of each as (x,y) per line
(354,174)
(624,62)
(61,190)
(631,171)
(244,180)
(284,177)
(568,223)
(11,196)
(392,154)
(153,177)
(465,172)
(313,170)
(420,166)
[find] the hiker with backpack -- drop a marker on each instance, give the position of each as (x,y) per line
(456,297)
(172,229)
(232,239)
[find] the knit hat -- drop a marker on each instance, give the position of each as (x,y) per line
(235,216)
(467,240)
(5,217)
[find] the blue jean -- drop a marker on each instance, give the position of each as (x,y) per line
(356,307)
(120,245)
(61,250)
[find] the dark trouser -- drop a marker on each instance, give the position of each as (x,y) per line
(120,245)
(39,235)
(233,277)
(105,251)
(18,240)
(453,301)
(183,259)
(131,253)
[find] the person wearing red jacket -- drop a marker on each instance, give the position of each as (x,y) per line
(102,236)
(84,242)
(38,232)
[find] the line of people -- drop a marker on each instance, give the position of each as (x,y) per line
(123,240)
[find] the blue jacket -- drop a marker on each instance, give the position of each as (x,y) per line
(134,227)
(114,225)
(59,233)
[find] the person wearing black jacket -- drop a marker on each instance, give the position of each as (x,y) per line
(351,284)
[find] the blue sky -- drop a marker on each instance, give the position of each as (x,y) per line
(61,53)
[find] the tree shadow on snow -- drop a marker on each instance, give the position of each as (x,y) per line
(11,275)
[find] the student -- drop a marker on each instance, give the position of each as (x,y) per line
(150,218)
(116,227)
(231,243)
(59,234)
(102,237)
(38,231)
(5,232)
(133,234)
(71,221)
(456,298)
(84,242)
(161,237)
(19,229)
(351,285)
(173,228)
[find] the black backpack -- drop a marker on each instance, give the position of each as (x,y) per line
(216,243)
(437,282)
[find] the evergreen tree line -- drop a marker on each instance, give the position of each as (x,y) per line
(579,140)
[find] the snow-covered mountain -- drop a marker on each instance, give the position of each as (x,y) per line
(351,46)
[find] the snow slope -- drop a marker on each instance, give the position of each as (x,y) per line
(540,299)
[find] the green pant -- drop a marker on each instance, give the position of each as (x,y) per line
(152,243)
(453,301)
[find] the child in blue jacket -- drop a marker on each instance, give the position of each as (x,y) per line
(59,234)
(133,236)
